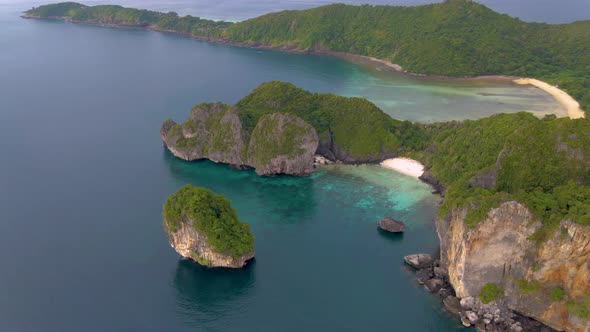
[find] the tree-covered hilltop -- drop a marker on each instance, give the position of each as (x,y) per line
(349,129)
(212,217)
(542,163)
(118,15)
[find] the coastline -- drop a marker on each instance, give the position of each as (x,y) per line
(568,102)
(405,166)
(571,105)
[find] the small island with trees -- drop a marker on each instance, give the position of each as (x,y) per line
(202,226)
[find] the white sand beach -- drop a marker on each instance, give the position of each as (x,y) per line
(405,166)
(573,107)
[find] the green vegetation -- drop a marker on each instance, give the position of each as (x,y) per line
(355,126)
(580,308)
(117,15)
(273,139)
(454,38)
(527,287)
(61,9)
(490,292)
(541,163)
(210,127)
(556,293)
(211,215)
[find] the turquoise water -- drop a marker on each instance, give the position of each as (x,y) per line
(83,177)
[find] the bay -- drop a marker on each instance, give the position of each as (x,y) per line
(83,177)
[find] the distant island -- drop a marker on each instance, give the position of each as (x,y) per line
(456,38)
(202,226)
(516,211)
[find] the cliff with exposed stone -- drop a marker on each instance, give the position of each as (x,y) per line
(279,144)
(191,244)
(212,131)
(548,280)
(282,144)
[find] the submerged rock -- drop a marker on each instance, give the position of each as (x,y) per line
(391,225)
(434,285)
(419,261)
(203,227)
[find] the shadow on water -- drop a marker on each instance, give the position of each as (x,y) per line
(393,237)
(208,294)
(282,199)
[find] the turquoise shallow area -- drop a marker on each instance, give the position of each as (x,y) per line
(321,263)
(83,177)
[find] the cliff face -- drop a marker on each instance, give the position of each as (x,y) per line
(279,144)
(282,144)
(192,245)
(498,250)
(212,131)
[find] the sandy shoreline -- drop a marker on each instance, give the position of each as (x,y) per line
(405,166)
(571,105)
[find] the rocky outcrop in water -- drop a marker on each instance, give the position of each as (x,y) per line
(212,131)
(191,244)
(419,261)
(390,225)
(279,144)
(548,280)
(282,143)
(202,226)
(470,311)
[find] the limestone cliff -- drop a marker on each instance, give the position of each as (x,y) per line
(202,226)
(193,245)
(282,143)
(547,280)
(212,131)
(279,144)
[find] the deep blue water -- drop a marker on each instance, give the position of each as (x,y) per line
(83,178)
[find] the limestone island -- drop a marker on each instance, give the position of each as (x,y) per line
(281,129)
(203,227)
(280,143)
